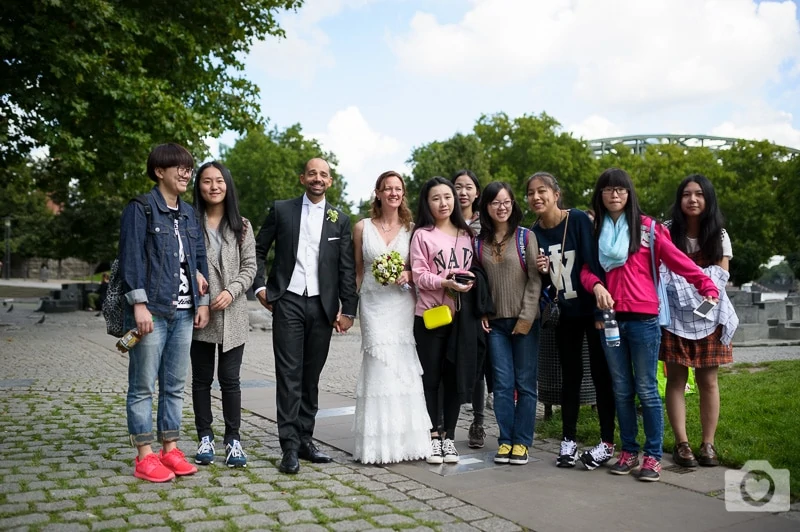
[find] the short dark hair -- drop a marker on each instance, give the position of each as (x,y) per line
(166,156)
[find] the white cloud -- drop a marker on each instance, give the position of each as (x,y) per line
(619,52)
(595,127)
(761,122)
(363,153)
(306,48)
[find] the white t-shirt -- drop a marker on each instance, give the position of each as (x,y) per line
(727,249)
(184,290)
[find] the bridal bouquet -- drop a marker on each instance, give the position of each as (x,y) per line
(388,267)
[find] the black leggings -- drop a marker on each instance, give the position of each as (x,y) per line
(432,353)
(569,337)
(230,362)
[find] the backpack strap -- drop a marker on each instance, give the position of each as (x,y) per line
(477,244)
(141,199)
(522,243)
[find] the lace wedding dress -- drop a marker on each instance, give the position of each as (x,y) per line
(391,421)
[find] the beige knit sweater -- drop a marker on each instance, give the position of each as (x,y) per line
(514,291)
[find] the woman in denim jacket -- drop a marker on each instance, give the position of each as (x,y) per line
(162,264)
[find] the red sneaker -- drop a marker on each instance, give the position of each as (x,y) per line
(150,468)
(176,461)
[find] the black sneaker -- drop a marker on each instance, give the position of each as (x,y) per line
(650,470)
(449,452)
(519,455)
(597,456)
(476,436)
(626,463)
(436,456)
(503,455)
(568,454)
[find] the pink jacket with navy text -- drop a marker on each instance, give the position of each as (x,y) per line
(632,285)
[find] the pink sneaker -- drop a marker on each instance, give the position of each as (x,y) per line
(176,461)
(150,468)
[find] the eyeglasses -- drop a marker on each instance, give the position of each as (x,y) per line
(619,191)
(184,170)
(497,204)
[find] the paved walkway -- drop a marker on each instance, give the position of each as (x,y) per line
(66,464)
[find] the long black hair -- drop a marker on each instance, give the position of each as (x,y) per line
(425,217)
(231,217)
(709,239)
(470,174)
(487,224)
(616,177)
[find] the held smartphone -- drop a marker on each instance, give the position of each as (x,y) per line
(463,278)
(704,308)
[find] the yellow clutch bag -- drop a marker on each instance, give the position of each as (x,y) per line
(437,317)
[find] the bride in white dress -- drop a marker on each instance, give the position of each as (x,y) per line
(391,421)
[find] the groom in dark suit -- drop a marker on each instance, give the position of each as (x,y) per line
(313,270)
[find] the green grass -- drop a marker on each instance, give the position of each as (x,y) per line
(759,414)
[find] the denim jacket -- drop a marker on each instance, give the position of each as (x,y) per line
(148,252)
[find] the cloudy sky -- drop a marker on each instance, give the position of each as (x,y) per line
(374,78)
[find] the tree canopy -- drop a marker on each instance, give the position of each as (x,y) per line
(266,165)
(99,82)
(757,183)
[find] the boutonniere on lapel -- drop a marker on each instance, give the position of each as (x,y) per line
(333,215)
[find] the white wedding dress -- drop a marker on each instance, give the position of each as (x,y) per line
(391,421)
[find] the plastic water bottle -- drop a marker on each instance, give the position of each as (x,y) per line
(130,339)
(611,328)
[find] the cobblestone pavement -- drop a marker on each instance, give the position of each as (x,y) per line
(66,463)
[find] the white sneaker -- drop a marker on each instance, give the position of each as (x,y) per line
(568,454)
(436,452)
(449,451)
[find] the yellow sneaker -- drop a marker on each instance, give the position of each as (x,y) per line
(519,455)
(503,454)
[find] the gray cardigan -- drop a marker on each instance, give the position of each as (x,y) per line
(234,271)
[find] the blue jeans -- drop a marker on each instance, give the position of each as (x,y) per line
(162,356)
(633,367)
(514,362)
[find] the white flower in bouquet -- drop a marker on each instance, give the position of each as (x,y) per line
(388,267)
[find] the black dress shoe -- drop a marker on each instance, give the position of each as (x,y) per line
(308,451)
(289,463)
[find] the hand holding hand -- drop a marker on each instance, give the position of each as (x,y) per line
(342,323)
(201,317)
(222,301)
(143,318)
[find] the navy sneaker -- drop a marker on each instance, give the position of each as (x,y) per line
(234,455)
(205,451)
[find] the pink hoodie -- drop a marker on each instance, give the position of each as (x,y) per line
(632,285)
(434,255)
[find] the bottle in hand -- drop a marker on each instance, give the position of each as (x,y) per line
(611,328)
(130,339)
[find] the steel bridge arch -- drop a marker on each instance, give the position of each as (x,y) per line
(639,143)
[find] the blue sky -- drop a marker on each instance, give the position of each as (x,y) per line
(374,78)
